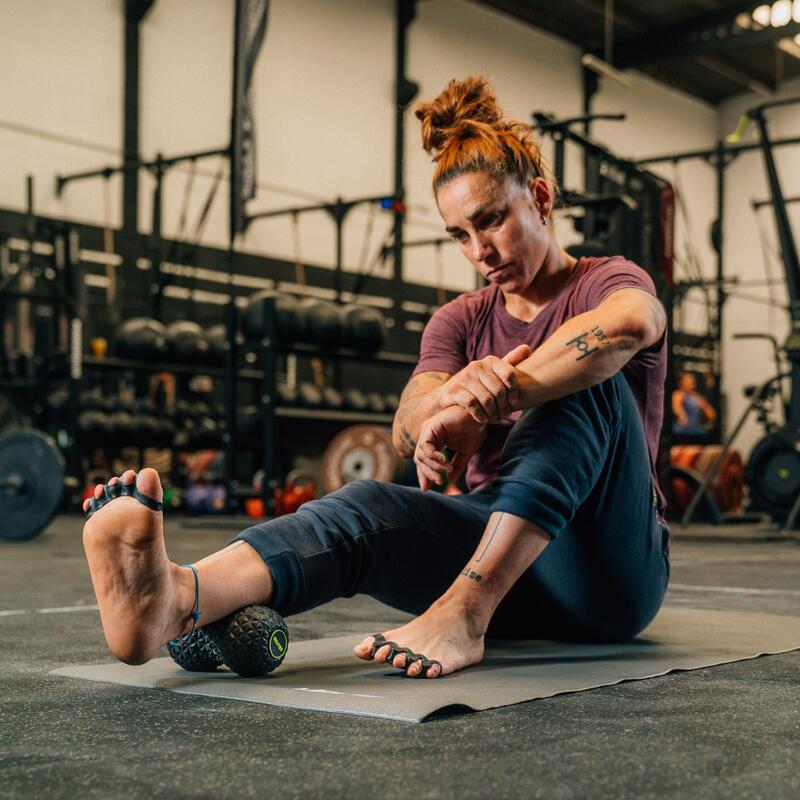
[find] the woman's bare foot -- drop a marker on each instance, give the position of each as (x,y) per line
(445,633)
(145,600)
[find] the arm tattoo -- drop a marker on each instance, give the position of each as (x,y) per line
(599,335)
(582,344)
(473,576)
(408,438)
(411,398)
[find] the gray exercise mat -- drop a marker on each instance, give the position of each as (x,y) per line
(323,675)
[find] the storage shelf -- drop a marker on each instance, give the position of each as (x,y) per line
(331,414)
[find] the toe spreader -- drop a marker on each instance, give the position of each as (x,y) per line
(119,489)
(395,650)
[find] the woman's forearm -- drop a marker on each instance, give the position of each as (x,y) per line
(419,401)
(584,351)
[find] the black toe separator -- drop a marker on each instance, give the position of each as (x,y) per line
(119,489)
(395,650)
(379,642)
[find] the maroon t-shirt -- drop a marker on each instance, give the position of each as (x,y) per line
(476,325)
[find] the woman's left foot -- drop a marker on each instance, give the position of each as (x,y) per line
(443,633)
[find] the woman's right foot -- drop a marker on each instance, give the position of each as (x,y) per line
(145,600)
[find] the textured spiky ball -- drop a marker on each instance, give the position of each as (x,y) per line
(252,641)
(195,652)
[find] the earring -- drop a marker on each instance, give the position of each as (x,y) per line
(543,218)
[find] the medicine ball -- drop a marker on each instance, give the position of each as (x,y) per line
(141,338)
(217,344)
(288,317)
(187,342)
(365,328)
(324,323)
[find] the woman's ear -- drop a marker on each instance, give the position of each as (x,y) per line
(542,196)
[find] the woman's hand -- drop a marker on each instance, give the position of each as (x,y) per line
(486,389)
(454,429)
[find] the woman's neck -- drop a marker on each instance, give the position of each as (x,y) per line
(549,281)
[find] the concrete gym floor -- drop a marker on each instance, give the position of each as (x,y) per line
(732,730)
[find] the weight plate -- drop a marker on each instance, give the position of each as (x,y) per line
(773,473)
(35,459)
(360,452)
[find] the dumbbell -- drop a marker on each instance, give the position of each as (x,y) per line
(309,395)
(375,403)
(144,428)
(93,425)
(332,398)
(164,433)
(95,401)
(355,400)
(287,396)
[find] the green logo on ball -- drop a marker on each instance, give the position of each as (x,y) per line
(278,642)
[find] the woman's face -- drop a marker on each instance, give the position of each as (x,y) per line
(498,226)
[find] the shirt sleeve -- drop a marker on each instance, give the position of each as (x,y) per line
(444,341)
(610,276)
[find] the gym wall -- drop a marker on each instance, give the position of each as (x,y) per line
(62,74)
(747,362)
(324,110)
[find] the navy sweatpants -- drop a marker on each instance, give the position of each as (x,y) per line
(578,467)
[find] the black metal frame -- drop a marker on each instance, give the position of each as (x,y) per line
(61,277)
(145,289)
(719,158)
(222,265)
(338,211)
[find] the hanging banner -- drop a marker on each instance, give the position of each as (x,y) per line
(249,31)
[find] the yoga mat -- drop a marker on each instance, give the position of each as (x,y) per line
(323,675)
